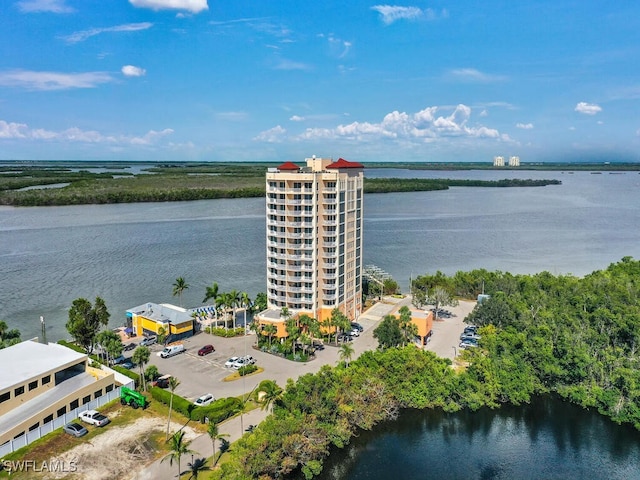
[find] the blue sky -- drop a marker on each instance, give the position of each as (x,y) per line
(240,80)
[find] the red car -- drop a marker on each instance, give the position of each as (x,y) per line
(206,349)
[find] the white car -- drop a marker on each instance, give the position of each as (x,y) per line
(94,418)
(229,363)
(243,362)
(204,400)
(354,332)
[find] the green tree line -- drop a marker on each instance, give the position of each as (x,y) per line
(541,334)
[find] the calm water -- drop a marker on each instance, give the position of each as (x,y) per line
(548,439)
(131,254)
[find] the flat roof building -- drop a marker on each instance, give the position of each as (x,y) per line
(314,239)
(41,382)
(152,318)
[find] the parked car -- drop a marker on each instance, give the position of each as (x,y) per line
(94,418)
(318,345)
(357,326)
(162,382)
(229,363)
(206,350)
(470,336)
(204,400)
(467,343)
(354,332)
(75,429)
(118,360)
(171,350)
(130,346)
(243,362)
(344,337)
(149,340)
(471,329)
(128,364)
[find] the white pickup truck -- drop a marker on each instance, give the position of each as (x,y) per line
(94,418)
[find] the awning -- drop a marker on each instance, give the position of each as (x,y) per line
(128,330)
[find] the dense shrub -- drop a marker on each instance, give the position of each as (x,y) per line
(246,370)
(180,404)
(228,332)
(218,411)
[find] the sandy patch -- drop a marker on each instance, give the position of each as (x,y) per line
(118,452)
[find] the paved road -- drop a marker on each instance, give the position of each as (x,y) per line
(200,375)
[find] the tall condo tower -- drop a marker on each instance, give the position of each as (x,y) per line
(314,238)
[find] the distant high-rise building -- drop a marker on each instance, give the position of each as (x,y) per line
(498,161)
(514,161)
(314,239)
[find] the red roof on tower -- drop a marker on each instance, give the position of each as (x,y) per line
(342,163)
(288,166)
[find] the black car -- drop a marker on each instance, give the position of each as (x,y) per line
(344,337)
(318,345)
(128,364)
(357,326)
(129,346)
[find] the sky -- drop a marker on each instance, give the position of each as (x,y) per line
(281,80)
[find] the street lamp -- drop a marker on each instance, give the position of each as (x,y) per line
(44,330)
(455,353)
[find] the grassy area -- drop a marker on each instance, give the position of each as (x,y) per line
(53,445)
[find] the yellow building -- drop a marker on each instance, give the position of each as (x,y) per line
(40,384)
(152,318)
(314,239)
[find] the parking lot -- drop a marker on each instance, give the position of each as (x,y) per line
(205,374)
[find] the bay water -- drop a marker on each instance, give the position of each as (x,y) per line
(131,254)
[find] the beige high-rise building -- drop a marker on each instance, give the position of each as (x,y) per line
(314,239)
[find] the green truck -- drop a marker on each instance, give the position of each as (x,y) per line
(132,398)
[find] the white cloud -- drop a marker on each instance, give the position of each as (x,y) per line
(273,135)
(484,113)
(296,118)
(193,6)
(11,130)
(399,127)
(133,71)
(52,80)
(473,75)
(232,116)
(524,126)
(588,108)
(38,6)
(284,64)
(82,35)
(339,48)
(150,137)
(393,13)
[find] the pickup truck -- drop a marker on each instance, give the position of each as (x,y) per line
(94,418)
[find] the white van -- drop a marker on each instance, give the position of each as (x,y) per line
(171,350)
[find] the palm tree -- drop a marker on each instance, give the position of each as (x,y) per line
(141,358)
(177,448)
(260,303)
(270,329)
(327,325)
(234,302)
(346,352)
(173,384)
(224,302)
(245,302)
(215,435)
(179,286)
(195,467)
(272,393)
(211,293)
(293,331)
